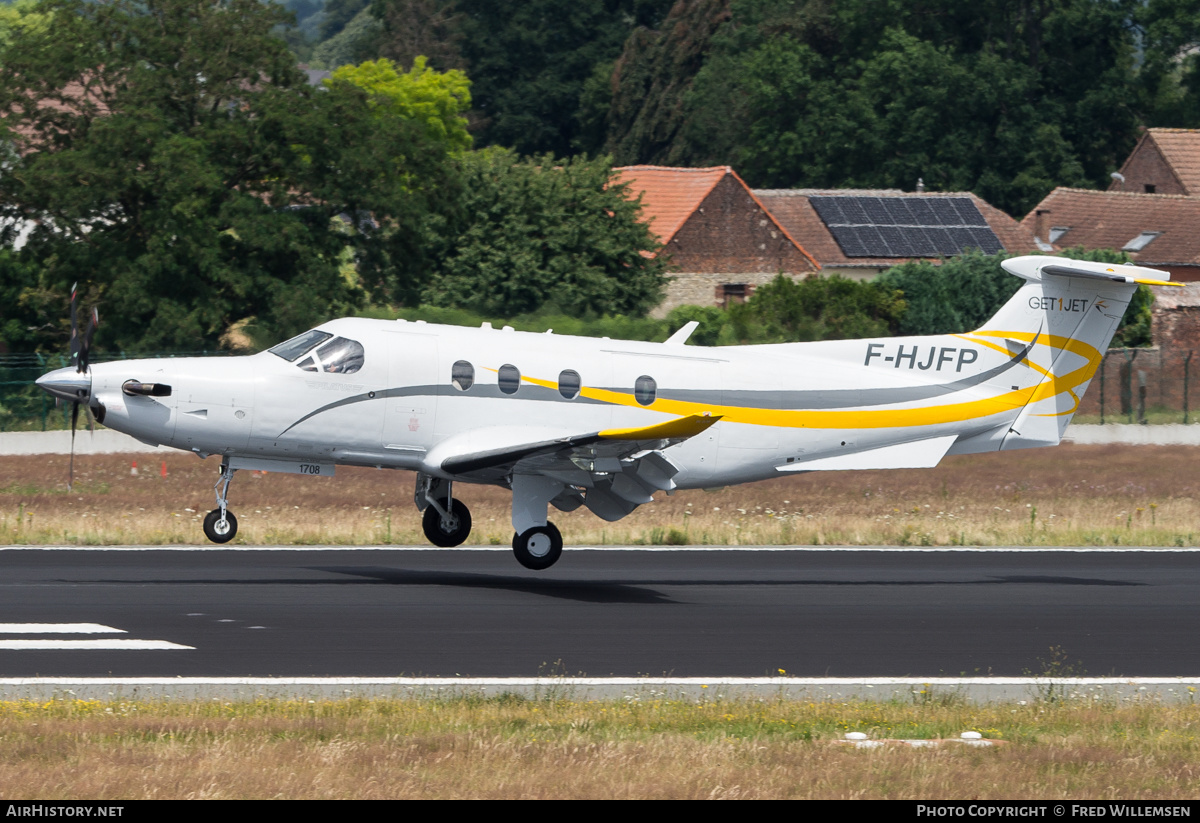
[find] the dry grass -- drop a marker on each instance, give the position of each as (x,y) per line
(1071,495)
(515,748)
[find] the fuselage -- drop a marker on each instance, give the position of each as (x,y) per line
(421,386)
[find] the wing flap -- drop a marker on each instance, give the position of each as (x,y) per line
(919,454)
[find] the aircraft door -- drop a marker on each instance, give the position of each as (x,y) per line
(412,392)
(697,382)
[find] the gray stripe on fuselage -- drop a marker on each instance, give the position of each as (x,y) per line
(781,399)
(815,399)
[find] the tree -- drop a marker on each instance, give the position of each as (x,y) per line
(1006,98)
(180,168)
(816,308)
(954,297)
(963,292)
(437,101)
(528,62)
(528,234)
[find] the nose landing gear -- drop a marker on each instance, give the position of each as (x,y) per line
(220,526)
(446,522)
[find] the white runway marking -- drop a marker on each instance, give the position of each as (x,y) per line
(57,628)
(114,644)
(50,644)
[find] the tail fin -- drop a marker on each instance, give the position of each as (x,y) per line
(1063,318)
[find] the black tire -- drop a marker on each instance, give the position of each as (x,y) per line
(534,550)
(220,535)
(432,524)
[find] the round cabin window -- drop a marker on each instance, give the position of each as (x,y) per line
(569,384)
(509,379)
(462,375)
(645,390)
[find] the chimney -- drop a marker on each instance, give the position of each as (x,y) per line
(920,185)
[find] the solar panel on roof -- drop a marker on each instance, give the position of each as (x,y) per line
(968,211)
(944,213)
(829,210)
(986,240)
(878,212)
(855,213)
(902,214)
(897,243)
(850,239)
(928,214)
(913,226)
(939,240)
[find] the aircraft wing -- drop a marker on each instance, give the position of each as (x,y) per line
(612,471)
(600,451)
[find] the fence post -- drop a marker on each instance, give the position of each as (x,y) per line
(1127,384)
(1142,397)
(1102,389)
(1186,362)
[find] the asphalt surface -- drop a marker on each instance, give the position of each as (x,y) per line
(690,613)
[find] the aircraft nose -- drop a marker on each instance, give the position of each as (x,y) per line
(67,384)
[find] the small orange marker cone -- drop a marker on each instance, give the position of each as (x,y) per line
(133,469)
(164,468)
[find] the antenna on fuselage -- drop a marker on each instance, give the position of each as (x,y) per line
(680,337)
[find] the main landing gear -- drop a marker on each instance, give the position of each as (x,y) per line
(220,526)
(539,547)
(536,542)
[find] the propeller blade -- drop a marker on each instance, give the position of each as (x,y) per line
(85,350)
(75,341)
(74,423)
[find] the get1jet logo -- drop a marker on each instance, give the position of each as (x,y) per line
(1075,304)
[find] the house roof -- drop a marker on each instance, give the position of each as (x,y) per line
(671,195)
(794,209)
(1112,219)
(1180,148)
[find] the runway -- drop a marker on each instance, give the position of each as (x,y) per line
(702,613)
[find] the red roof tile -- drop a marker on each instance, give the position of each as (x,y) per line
(1110,219)
(1181,149)
(669,195)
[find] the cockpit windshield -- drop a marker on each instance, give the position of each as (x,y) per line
(340,356)
(291,350)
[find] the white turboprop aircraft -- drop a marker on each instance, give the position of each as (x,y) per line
(574,421)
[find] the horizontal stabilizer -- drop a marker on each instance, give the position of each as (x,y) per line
(919,454)
(1034,267)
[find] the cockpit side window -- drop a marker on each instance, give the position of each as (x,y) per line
(291,350)
(341,356)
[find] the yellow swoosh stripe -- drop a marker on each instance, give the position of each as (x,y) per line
(879,418)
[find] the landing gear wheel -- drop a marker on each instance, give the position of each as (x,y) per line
(538,548)
(218,530)
(447,534)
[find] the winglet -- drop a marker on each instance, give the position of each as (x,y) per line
(685,331)
(679,428)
